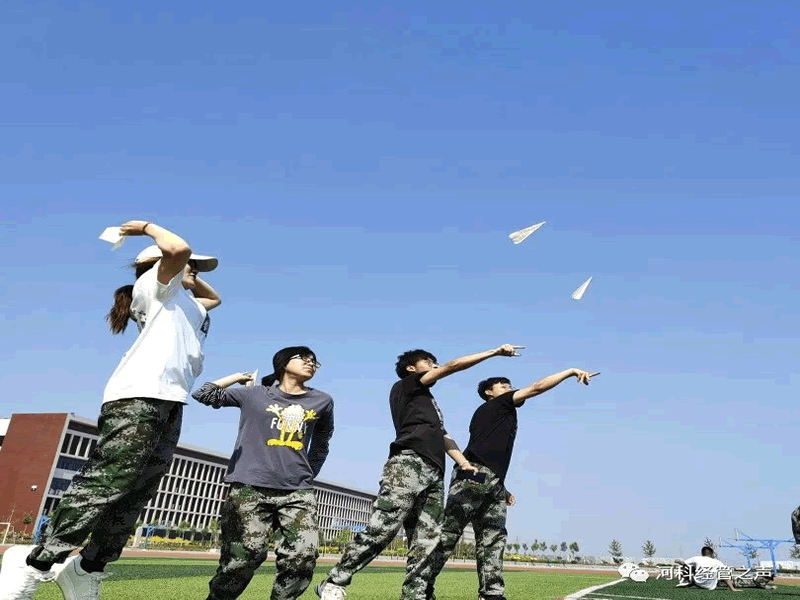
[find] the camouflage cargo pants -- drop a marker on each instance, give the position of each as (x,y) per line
(796,524)
(411,495)
(250,516)
(483,505)
(138,437)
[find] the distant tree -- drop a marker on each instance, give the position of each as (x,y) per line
(615,549)
(543,546)
(648,549)
(574,548)
(516,548)
(343,537)
(524,548)
(213,527)
(27,519)
(794,552)
(553,548)
(564,546)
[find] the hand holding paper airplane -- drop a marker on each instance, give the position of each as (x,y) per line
(113,236)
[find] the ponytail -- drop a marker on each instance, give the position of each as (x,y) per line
(269,380)
(119,314)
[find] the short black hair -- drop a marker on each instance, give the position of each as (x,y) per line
(707,551)
(487,383)
(407,359)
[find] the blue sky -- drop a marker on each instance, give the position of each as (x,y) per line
(358,168)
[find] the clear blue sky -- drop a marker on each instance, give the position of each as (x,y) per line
(358,168)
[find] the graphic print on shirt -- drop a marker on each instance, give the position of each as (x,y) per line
(291,423)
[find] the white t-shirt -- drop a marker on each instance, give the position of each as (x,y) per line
(705,571)
(167,357)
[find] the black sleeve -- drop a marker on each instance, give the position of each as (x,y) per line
(323,431)
(508,400)
(217,397)
(411,383)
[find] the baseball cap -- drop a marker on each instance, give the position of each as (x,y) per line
(204,263)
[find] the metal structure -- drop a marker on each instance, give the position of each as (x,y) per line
(38,531)
(749,547)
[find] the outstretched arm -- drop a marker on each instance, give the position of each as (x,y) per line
(548,383)
(465,362)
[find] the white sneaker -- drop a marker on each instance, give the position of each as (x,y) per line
(18,580)
(330,591)
(77,584)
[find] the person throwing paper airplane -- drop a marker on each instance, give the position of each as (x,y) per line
(482,499)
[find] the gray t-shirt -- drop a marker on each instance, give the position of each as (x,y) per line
(283,438)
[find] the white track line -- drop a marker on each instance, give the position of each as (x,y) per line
(589,590)
(637,597)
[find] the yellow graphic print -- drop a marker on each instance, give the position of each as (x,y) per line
(290,424)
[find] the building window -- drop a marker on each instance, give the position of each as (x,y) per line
(70,464)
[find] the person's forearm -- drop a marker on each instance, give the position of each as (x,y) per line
(453,451)
(228,380)
(168,242)
(551,381)
(202,289)
(465,362)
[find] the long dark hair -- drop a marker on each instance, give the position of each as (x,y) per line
(120,312)
(281,359)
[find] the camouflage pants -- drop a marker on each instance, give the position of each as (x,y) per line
(411,494)
(137,439)
(483,505)
(796,524)
(250,515)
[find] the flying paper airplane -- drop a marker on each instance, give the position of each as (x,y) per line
(578,294)
(519,236)
(113,236)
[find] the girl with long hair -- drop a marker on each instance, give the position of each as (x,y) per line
(139,424)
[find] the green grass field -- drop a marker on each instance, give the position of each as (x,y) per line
(184,579)
(664,589)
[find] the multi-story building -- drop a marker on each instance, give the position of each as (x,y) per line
(40,453)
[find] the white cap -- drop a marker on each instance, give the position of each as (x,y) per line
(204,263)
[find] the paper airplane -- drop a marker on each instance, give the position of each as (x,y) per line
(519,236)
(254,382)
(578,294)
(113,236)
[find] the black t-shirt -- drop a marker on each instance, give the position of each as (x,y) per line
(417,420)
(492,432)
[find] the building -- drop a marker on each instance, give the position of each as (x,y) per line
(40,453)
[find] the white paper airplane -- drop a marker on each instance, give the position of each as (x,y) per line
(254,382)
(578,294)
(113,236)
(519,236)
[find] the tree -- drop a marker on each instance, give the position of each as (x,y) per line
(615,549)
(213,527)
(524,548)
(564,546)
(648,549)
(710,544)
(343,537)
(27,519)
(794,552)
(574,548)
(553,548)
(184,527)
(516,548)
